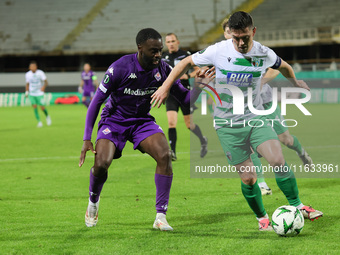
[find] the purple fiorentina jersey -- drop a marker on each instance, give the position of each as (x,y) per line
(129,88)
(88,80)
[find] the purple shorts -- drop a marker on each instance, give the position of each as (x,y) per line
(88,93)
(119,132)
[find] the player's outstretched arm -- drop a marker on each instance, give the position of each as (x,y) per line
(288,72)
(269,76)
(159,97)
(87,146)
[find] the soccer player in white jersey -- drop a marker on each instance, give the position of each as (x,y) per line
(240,63)
(36,83)
(282,132)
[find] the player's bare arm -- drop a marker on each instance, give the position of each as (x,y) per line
(159,97)
(45,85)
(288,72)
(269,76)
(27,88)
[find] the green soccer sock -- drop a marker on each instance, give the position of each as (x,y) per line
(257,163)
(296,145)
(45,111)
(287,183)
(36,114)
(252,194)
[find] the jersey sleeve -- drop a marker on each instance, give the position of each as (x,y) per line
(106,87)
(27,78)
(273,60)
(181,94)
(205,57)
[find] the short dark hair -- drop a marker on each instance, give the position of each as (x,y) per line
(146,34)
(33,62)
(172,34)
(240,20)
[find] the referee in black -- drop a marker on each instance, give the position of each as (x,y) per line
(173,56)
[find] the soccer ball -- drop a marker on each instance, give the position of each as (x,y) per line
(287,221)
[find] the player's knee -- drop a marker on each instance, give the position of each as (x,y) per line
(285,140)
(172,124)
(249,181)
(101,165)
(277,161)
(164,157)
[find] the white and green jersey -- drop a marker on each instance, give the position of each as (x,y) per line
(237,70)
(36,82)
(266,93)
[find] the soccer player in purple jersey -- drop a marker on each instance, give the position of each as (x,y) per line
(88,84)
(129,83)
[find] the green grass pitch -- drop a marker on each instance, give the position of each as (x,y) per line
(44,194)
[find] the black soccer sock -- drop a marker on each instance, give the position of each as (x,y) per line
(198,133)
(172,138)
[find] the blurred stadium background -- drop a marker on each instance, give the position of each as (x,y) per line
(62,35)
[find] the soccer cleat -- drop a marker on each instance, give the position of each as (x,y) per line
(306,159)
(204,149)
(309,213)
(265,225)
(39,124)
(91,215)
(161,223)
(265,191)
(48,121)
(173,156)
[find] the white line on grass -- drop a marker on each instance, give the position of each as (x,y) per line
(142,155)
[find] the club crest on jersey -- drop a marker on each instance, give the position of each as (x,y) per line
(158,76)
(256,62)
(239,79)
(106,131)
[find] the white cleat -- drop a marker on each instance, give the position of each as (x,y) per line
(265,225)
(39,124)
(91,215)
(161,223)
(48,120)
(265,191)
(310,213)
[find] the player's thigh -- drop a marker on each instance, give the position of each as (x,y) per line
(264,140)
(235,144)
(105,151)
(156,145)
(172,118)
(272,152)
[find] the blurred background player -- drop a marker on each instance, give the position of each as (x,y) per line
(88,84)
(36,84)
(173,56)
